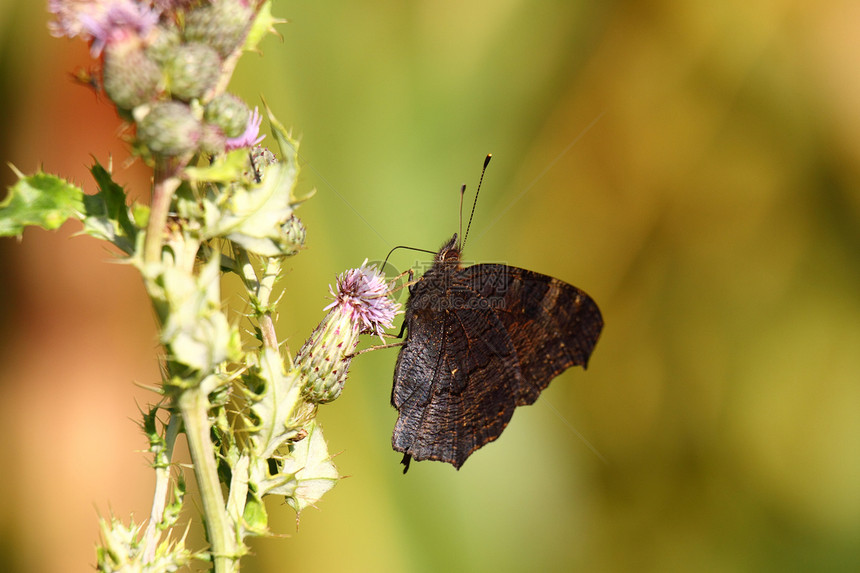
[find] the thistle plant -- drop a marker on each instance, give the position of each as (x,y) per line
(220,203)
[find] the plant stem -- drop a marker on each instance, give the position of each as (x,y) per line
(261,288)
(165,185)
(194,405)
(267,325)
(162,482)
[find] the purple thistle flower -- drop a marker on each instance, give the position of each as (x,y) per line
(362,304)
(251,137)
(101,21)
(363,295)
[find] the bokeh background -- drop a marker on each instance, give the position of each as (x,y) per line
(695,167)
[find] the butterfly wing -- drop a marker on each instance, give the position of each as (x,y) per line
(552,325)
(494,338)
(453,343)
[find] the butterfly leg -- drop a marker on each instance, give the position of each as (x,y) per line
(409,284)
(377,347)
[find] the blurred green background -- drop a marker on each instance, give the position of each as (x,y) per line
(695,167)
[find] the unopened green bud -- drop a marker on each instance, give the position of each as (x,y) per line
(129,76)
(362,305)
(169,129)
(221,24)
(192,70)
(163,43)
(261,159)
(122,549)
(229,113)
(323,360)
(294,232)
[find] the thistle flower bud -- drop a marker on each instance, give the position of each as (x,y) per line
(221,24)
(129,76)
(123,550)
(192,70)
(163,42)
(362,305)
(169,129)
(229,113)
(294,232)
(261,159)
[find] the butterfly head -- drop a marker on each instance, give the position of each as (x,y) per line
(449,254)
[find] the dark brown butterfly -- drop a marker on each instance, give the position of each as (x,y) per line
(481,340)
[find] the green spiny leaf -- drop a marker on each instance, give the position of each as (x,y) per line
(226,168)
(255,217)
(275,398)
(196,332)
(174,508)
(107,215)
(263,24)
(307,473)
(255,517)
(41,199)
(289,153)
(140,215)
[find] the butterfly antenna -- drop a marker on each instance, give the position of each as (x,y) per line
(475,202)
(460,230)
(385,262)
